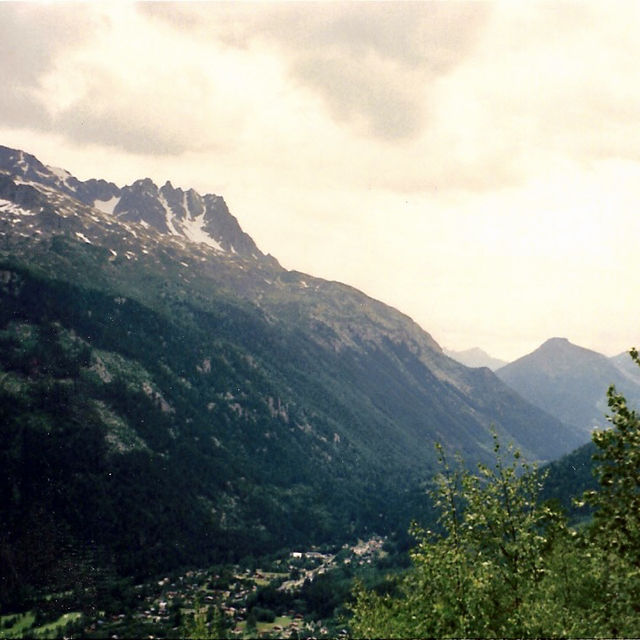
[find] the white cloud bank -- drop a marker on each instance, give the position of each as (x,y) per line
(473,164)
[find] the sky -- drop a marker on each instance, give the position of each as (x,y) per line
(475,165)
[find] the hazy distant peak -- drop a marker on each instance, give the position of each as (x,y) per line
(626,365)
(475,357)
(557,343)
(569,381)
(558,354)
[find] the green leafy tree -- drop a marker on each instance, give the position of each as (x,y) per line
(480,574)
(505,564)
(617,501)
(615,531)
(252,622)
(205,623)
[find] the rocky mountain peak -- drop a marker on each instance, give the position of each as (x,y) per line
(168,210)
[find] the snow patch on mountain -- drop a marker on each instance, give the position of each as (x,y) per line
(62,174)
(22,163)
(192,228)
(169,216)
(6,206)
(107,206)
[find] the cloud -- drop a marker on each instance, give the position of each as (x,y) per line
(375,66)
(105,77)
(31,36)
(414,96)
(30,39)
(558,81)
(371,64)
(99,74)
(376,96)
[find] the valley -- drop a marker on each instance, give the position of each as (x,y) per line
(188,427)
(291,595)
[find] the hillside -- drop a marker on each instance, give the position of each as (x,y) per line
(568,478)
(171,395)
(625,364)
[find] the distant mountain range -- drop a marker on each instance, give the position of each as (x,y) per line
(476,357)
(170,395)
(570,382)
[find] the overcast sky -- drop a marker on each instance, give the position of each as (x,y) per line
(475,165)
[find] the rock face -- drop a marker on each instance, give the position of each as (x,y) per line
(569,381)
(168,210)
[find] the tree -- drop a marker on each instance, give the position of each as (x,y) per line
(505,564)
(479,574)
(615,532)
(617,501)
(252,622)
(205,623)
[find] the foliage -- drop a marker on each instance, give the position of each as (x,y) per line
(617,502)
(506,564)
(615,532)
(205,623)
(569,477)
(476,575)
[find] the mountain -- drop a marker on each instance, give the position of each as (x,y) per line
(627,366)
(183,214)
(568,381)
(476,357)
(171,395)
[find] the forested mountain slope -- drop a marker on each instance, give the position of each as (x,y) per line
(171,395)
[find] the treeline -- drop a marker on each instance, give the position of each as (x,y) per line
(505,563)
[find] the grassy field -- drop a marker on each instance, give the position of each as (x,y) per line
(52,629)
(22,623)
(283,621)
(262,627)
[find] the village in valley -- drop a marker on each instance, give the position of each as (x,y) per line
(300,594)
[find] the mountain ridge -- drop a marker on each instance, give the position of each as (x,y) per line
(278,406)
(333,313)
(170,210)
